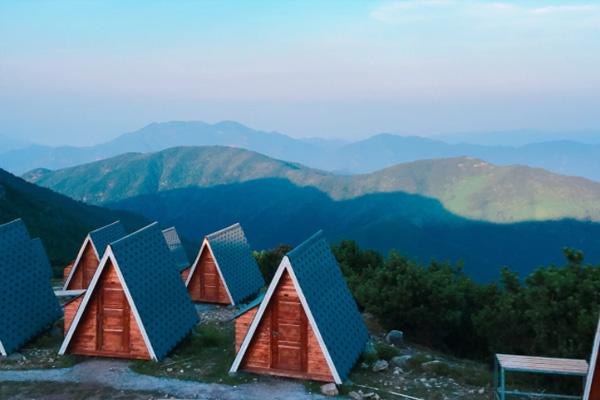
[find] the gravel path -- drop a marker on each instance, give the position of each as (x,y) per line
(117,375)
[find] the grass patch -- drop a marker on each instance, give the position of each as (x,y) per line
(206,355)
(40,353)
(386,351)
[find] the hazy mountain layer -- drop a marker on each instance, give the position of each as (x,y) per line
(374,153)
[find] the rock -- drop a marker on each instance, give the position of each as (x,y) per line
(369,351)
(355,395)
(481,391)
(380,365)
(401,361)
(433,366)
(395,337)
(330,389)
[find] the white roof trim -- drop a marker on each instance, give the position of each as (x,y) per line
(88,294)
(88,239)
(285,265)
(592,367)
(206,244)
(69,293)
(2,351)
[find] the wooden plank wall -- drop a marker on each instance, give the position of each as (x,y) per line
(85,269)
(185,273)
(242,324)
(70,311)
(258,355)
(67,271)
(206,264)
(85,341)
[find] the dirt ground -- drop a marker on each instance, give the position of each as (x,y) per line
(198,369)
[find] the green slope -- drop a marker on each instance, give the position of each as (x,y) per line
(465,186)
(59,221)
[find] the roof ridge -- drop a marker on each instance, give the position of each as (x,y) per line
(105,226)
(6,224)
(171,228)
(221,231)
(133,233)
(298,250)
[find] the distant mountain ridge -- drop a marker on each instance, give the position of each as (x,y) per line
(468,187)
(368,155)
(410,207)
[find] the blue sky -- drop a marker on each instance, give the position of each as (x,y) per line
(83,72)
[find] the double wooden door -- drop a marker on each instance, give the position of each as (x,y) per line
(209,281)
(289,330)
(113,320)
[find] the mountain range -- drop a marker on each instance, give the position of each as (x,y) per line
(446,209)
(59,221)
(368,155)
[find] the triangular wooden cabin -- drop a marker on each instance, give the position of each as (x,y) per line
(176,248)
(225,271)
(308,325)
(79,273)
(592,383)
(136,305)
(27,303)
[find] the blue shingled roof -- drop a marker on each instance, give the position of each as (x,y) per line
(236,262)
(156,288)
(176,248)
(249,306)
(330,301)
(107,234)
(42,256)
(27,304)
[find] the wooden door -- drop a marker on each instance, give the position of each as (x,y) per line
(209,281)
(288,330)
(113,320)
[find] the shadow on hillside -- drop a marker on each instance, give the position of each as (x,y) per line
(275,211)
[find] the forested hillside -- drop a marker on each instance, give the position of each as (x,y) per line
(465,186)
(59,221)
(417,208)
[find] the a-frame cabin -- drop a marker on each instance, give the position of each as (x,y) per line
(136,306)
(225,271)
(592,383)
(307,325)
(27,303)
(79,273)
(176,247)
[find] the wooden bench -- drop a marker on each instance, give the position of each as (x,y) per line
(537,365)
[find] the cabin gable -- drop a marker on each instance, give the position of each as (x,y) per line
(205,282)
(107,326)
(283,341)
(83,269)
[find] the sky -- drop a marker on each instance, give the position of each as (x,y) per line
(83,72)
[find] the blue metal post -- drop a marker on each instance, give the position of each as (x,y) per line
(502,384)
(495,378)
